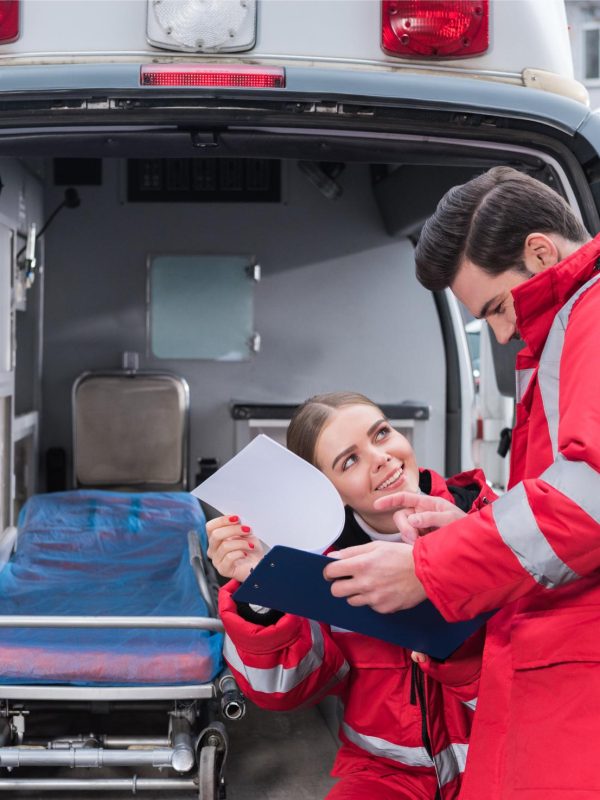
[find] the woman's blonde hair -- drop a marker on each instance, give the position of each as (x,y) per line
(309,418)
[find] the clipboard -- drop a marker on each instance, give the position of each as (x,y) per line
(292,581)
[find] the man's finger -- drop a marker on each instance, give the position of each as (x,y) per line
(340,568)
(430,519)
(345,588)
(357,600)
(400,500)
(409,533)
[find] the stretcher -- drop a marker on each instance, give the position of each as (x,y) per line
(107,613)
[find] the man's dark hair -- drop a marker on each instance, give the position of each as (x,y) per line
(487,221)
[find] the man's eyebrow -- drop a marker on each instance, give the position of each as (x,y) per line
(486,306)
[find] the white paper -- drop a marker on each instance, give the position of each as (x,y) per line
(283,498)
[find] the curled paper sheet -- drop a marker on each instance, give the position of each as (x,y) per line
(284,499)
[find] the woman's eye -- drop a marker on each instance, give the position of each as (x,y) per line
(382,433)
(498,309)
(348,462)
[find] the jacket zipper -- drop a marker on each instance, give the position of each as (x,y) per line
(417,692)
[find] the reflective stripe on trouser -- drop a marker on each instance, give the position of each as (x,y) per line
(449,763)
(280,679)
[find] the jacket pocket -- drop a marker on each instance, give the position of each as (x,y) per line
(554,720)
(544,638)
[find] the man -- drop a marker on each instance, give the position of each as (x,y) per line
(515,254)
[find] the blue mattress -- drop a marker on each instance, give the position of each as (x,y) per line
(106,554)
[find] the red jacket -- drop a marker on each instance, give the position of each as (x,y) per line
(535,554)
(383,694)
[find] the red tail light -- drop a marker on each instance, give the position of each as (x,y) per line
(221,75)
(435,28)
(9,21)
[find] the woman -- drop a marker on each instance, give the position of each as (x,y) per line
(403,734)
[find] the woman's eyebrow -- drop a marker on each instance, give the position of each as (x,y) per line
(345,452)
(375,425)
(352,447)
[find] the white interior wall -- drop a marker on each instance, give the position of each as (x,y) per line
(338,306)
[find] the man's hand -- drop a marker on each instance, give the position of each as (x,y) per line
(418,513)
(378,574)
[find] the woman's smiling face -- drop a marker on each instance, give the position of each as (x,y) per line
(365,458)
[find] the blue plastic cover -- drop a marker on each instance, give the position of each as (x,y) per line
(106,554)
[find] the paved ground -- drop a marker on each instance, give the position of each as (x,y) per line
(280,756)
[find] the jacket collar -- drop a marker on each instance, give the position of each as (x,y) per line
(539,299)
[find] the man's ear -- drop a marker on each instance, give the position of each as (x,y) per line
(540,252)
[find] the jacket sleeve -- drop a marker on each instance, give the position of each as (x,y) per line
(470,490)
(461,671)
(544,532)
(282,666)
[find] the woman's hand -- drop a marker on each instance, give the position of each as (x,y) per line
(232,548)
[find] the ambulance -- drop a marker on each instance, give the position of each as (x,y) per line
(228,193)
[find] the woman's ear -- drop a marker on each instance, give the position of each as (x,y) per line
(540,252)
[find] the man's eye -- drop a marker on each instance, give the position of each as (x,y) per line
(498,309)
(348,462)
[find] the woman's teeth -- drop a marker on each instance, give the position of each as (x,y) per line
(392,479)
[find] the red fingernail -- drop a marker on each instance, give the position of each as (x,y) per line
(250,545)
(245,529)
(234,519)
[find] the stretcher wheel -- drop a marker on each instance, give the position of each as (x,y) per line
(208,774)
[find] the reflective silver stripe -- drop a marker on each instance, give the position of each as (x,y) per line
(450,763)
(279,678)
(339,676)
(548,373)
(520,532)
(577,481)
(523,376)
(472,704)
(410,756)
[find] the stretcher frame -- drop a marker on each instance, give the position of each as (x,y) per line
(194,746)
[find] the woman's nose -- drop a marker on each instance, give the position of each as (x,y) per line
(380,460)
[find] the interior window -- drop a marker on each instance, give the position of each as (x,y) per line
(201,306)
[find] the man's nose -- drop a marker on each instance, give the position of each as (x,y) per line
(502,330)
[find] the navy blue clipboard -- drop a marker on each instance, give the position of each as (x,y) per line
(292,580)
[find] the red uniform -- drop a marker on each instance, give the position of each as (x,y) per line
(535,553)
(401,731)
